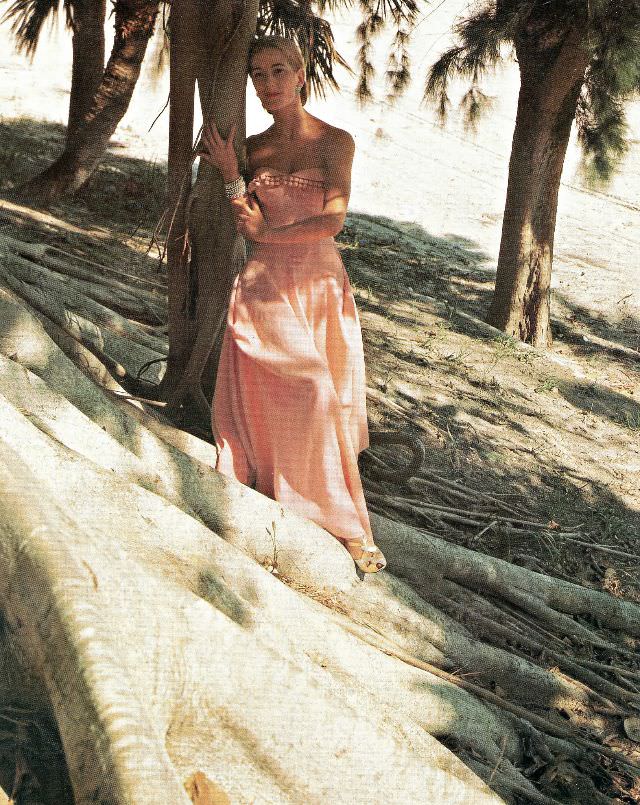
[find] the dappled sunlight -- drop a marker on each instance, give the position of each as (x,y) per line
(603,403)
(21,344)
(194,676)
(153,516)
(496,605)
(403,262)
(19,213)
(55,416)
(123,190)
(220,595)
(616,337)
(500,412)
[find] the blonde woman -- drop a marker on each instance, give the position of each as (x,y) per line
(289,414)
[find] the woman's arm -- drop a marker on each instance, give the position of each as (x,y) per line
(221,153)
(339,149)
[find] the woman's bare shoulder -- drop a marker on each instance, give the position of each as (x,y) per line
(333,135)
(257,142)
(337,144)
(254,140)
(333,141)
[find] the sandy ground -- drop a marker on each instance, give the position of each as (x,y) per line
(447,181)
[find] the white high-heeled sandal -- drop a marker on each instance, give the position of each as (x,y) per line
(371,559)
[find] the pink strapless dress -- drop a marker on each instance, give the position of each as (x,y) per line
(289,410)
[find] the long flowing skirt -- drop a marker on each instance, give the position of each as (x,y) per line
(289,412)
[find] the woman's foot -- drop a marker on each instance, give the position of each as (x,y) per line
(368,558)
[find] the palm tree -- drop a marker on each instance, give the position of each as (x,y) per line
(99,95)
(578,61)
(85,19)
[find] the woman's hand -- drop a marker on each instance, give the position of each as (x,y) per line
(219,152)
(251,221)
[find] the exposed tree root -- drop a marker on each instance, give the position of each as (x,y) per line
(102,489)
(70,266)
(189,701)
(469,608)
(75,299)
(114,298)
(536,593)
(542,724)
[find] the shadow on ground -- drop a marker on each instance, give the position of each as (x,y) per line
(455,271)
(492,416)
(397,260)
(123,199)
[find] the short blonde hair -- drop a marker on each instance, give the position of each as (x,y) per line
(290,51)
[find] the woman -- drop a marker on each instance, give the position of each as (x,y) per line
(289,413)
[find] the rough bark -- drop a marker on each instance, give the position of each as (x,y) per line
(551,74)
(185,57)
(86,144)
(88,59)
(204,250)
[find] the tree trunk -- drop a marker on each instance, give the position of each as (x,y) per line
(551,78)
(184,56)
(88,59)
(88,140)
(204,250)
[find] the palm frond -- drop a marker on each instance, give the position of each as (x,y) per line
(332,6)
(482,38)
(602,136)
(27,18)
(378,15)
(612,79)
(437,83)
(158,57)
(297,20)
(366,33)
(473,105)
(399,62)
(398,10)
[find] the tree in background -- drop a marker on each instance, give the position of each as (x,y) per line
(85,19)
(99,95)
(578,60)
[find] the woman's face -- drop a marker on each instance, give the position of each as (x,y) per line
(274,79)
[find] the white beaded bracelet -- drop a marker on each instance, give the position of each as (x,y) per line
(235,189)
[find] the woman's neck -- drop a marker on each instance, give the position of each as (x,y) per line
(288,123)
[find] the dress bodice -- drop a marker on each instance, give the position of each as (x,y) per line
(288,197)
